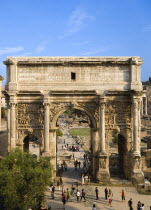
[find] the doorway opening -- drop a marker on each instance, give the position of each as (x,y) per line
(117,157)
(32,145)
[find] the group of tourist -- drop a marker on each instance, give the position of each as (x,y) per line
(140,206)
(108,194)
(76,164)
(85,179)
(64,166)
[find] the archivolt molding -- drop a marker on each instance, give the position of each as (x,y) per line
(90,108)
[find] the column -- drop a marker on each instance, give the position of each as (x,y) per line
(53,154)
(8,128)
(142,107)
(145,105)
(135,125)
(46,128)
(12,125)
(102,126)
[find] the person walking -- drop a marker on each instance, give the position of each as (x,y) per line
(61,181)
(52,195)
(83,193)
(64,199)
(82,179)
(97,193)
(94,207)
(78,195)
(53,188)
(79,163)
(58,184)
(106,193)
(139,205)
(130,203)
(68,194)
(123,195)
(72,190)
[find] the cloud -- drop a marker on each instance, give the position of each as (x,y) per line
(41,47)
(76,21)
(10,50)
(147,28)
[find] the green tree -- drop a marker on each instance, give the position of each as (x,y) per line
(23,180)
(59,132)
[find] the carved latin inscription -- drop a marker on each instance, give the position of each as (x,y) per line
(63,73)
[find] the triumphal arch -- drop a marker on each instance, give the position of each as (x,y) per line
(108,89)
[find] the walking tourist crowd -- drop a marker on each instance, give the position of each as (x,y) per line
(67,194)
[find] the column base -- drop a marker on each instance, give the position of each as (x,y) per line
(46,154)
(103,176)
(137,177)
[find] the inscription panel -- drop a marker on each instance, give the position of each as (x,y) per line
(63,74)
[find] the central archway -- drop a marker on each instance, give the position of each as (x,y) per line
(82,119)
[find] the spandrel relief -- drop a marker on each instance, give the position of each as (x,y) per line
(30,115)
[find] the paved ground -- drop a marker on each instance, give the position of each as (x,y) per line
(71,177)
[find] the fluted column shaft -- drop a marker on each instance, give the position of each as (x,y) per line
(102,126)
(12,125)
(145,105)
(46,127)
(135,126)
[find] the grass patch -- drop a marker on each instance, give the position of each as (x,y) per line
(80,132)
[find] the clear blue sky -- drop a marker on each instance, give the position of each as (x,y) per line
(76,28)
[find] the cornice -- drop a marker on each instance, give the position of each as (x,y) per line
(73,60)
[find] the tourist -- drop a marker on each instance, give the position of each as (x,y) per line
(123,195)
(62,167)
(139,205)
(106,193)
(61,181)
(82,179)
(64,198)
(110,195)
(79,163)
(86,179)
(65,166)
(53,188)
(68,194)
(142,207)
(58,184)
(83,193)
(97,193)
(94,207)
(78,195)
(130,203)
(52,195)
(72,190)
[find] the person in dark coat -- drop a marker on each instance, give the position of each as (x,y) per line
(106,193)
(97,193)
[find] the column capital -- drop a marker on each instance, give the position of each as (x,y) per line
(102,102)
(12,104)
(46,104)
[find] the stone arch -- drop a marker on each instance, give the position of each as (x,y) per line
(88,112)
